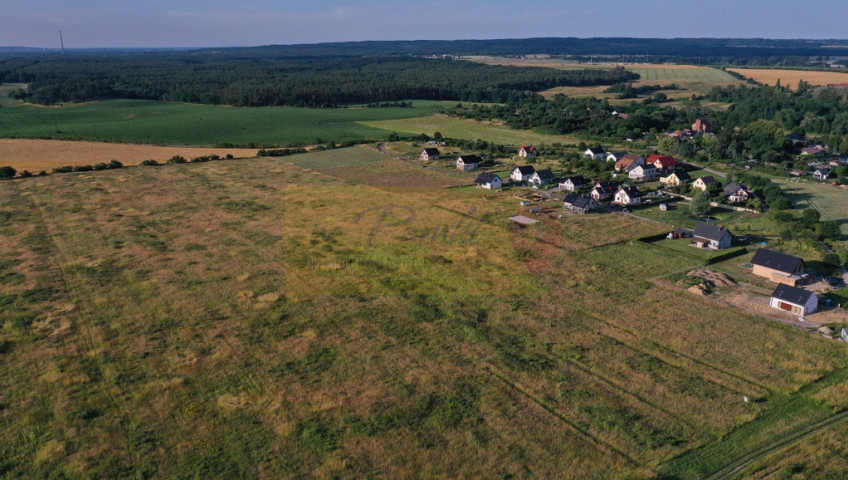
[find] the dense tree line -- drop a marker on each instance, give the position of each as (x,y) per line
(305,83)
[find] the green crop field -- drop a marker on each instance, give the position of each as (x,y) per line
(168,123)
(297,317)
(468,130)
(831,201)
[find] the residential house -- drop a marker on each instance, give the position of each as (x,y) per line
(704,183)
(711,236)
(603,189)
(527,151)
(675,178)
(468,162)
(643,173)
(662,162)
(595,153)
(628,161)
(541,178)
(812,151)
(793,299)
(615,156)
(736,192)
(701,126)
(429,154)
(573,183)
(522,173)
(779,267)
(489,180)
(627,196)
(795,138)
(583,204)
(822,173)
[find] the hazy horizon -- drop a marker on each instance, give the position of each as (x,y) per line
(196,24)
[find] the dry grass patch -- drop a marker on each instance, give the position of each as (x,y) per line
(790,78)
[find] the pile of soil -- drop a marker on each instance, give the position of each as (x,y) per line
(716,278)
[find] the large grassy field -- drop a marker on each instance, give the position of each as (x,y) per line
(169,123)
(302,318)
(468,130)
(831,201)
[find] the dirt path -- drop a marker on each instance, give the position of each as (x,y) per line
(730,470)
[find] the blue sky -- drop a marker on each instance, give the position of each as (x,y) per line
(205,23)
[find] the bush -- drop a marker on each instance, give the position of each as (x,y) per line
(177,159)
(7,172)
(100,166)
(113,164)
(229,156)
(150,163)
(83,168)
(26,174)
(42,173)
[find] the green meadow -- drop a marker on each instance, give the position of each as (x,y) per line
(168,123)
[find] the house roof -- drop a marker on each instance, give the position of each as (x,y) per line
(525,169)
(617,155)
(596,150)
(701,124)
(570,198)
(776,260)
(432,151)
(470,159)
(794,295)
(583,201)
(577,180)
(485,178)
(665,161)
(545,174)
(681,175)
(710,232)
(812,150)
(823,170)
(708,180)
(527,148)
(646,167)
(606,186)
(732,188)
(522,220)
(632,192)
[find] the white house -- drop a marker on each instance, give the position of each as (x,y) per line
(522,173)
(821,173)
(527,151)
(675,178)
(573,183)
(615,156)
(793,299)
(595,153)
(711,236)
(489,180)
(468,162)
(628,162)
(704,183)
(542,177)
(736,192)
(429,154)
(627,196)
(643,172)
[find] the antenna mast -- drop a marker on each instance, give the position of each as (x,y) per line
(62,41)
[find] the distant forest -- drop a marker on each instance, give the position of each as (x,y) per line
(211,78)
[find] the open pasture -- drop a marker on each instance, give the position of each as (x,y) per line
(468,130)
(38,155)
(170,123)
(264,319)
(790,78)
(830,200)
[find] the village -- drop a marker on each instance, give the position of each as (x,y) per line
(663,182)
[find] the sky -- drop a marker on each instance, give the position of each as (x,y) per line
(218,23)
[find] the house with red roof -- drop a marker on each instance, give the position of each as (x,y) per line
(527,151)
(701,126)
(662,162)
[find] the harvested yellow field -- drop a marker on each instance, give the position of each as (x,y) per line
(790,78)
(37,155)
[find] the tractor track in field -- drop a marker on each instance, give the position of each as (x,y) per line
(730,470)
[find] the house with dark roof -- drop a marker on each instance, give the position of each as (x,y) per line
(643,173)
(794,300)
(542,177)
(704,183)
(675,178)
(615,156)
(711,237)
(468,162)
(812,151)
(736,192)
(603,189)
(627,196)
(571,184)
(429,154)
(822,173)
(522,173)
(582,204)
(489,180)
(595,153)
(779,267)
